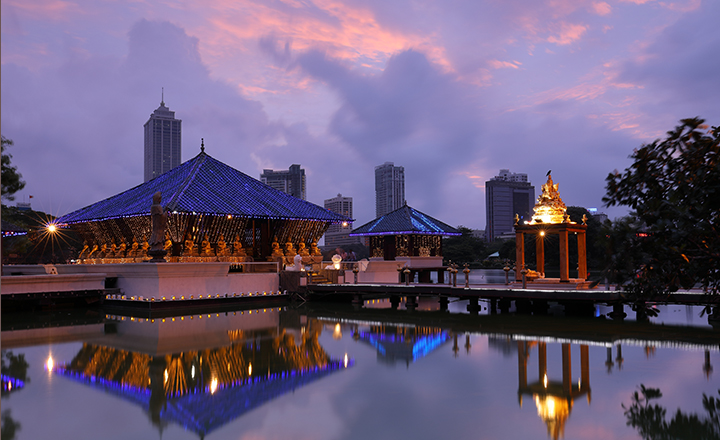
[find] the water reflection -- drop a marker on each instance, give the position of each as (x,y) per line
(204,389)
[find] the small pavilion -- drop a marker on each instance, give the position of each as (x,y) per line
(214,213)
(410,237)
(550,217)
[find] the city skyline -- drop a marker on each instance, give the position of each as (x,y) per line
(451,93)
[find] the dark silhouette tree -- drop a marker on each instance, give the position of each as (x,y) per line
(11,180)
(672,238)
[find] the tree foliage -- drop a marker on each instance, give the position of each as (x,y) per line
(11,180)
(672,238)
(464,248)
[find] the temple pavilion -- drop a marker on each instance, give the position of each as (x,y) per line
(550,217)
(214,213)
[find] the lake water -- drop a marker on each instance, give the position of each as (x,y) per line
(331,372)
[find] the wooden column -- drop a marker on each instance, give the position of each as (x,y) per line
(582,256)
(540,252)
(584,368)
(564,263)
(522,365)
(519,254)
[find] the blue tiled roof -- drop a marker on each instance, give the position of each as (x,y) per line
(405,220)
(205,185)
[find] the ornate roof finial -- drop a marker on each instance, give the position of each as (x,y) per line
(162,97)
(202,145)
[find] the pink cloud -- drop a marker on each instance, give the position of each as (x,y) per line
(601,8)
(497,64)
(567,34)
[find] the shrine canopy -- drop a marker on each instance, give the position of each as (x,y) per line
(205,201)
(405,220)
(404,234)
(204,185)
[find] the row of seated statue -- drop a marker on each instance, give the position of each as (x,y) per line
(112,253)
(309,256)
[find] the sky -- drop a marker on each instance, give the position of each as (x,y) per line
(453,91)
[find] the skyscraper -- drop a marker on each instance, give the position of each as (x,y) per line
(338,235)
(163,142)
(290,182)
(389,188)
(507,194)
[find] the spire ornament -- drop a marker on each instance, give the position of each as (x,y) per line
(549,208)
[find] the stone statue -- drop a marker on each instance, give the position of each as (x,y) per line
(302,250)
(159,223)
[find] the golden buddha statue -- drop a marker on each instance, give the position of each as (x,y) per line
(276,251)
(144,249)
(207,250)
(314,250)
(302,250)
(221,247)
(134,252)
(238,250)
(83,253)
(189,250)
(290,250)
(121,249)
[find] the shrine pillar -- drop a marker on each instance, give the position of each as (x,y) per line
(519,254)
(582,256)
(540,252)
(564,258)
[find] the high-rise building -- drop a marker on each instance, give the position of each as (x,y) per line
(290,182)
(389,188)
(338,235)
(163,142)
(507,194)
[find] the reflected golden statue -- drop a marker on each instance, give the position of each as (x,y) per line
(112,251)
(549,207)
(94,252)
(103,251)
(121,250)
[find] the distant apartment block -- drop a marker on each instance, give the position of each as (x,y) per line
(338,235)
(389,188)
(163,142)
(507,194)
(290,181)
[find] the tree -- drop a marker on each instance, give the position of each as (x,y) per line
(11,180)
(464,248)
(672,238)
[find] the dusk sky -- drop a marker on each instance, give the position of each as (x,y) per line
(451,90)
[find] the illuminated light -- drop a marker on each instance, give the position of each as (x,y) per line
(542,233)
(192,371)
(51,228)
(337,334)
(173,298)
(345,360)
(545,381)
(182,297)
(163,320)
(229,216)
(213,385)
(166,375)
(50,363)
(250,369)
(173,320)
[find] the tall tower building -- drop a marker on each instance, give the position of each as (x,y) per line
(339,235)
(389,188)
(507,194)
(163,142)
(290,182)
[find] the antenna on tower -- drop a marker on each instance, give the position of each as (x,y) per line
(202,145)
(162,97)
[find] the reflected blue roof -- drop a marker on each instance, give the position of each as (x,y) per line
(405,220)
(205,185)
